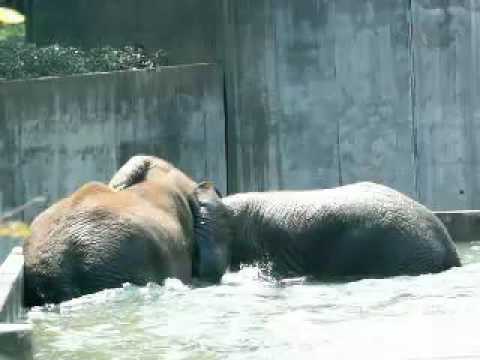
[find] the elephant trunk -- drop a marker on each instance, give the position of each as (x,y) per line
(211,235)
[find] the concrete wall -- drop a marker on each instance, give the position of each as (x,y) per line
(335,91)
(463,225)
(447,101)
(321,92)
(57,134)
(318,93)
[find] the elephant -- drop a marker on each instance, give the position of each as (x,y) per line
(152,221)
(142,227)
(361,230)
(353,231)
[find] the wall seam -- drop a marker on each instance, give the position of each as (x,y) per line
(339,150)
(412,99)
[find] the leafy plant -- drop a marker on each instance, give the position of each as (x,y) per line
(21,60)
(14,229)
(12,31)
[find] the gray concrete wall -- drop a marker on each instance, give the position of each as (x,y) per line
(336,91)
(318,93)
(447,101)
(60,133)
(463,225)
(322,92)
(281,95)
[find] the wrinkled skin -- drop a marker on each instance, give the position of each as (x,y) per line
(359,230)
(141,228)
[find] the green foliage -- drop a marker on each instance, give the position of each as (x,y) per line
(20,60)
(12,31)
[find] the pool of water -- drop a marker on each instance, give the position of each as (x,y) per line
(251,317)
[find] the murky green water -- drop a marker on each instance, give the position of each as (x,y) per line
(247,317)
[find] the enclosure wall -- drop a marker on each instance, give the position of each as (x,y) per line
(56,134)
(319,92)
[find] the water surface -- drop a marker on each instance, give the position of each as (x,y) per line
(252,317)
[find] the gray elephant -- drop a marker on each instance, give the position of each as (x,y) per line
(359,230)
(141,228)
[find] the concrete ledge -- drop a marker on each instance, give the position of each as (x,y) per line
(463,225)
(16,342)
(15,339)
(11,287)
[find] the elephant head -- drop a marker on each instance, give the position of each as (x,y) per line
(211,233)
(151,222)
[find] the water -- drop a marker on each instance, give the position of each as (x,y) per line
(250,317)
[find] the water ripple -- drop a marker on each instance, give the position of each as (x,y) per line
(248,316)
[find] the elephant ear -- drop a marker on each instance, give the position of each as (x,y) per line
(211,234)
(136,170)
(204,192)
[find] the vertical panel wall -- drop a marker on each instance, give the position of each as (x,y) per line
(281,94)
(373,69)
(446,71)
(72,130)
(318,93)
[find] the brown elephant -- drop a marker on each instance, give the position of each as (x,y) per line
(141,228)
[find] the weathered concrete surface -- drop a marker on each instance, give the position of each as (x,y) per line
(318,93)
(372,61)
(11,288)
(16,342)
(317,90)
(7,155)
(154,24)
(447,101)
(64,132)
(463,225)
(281,95)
